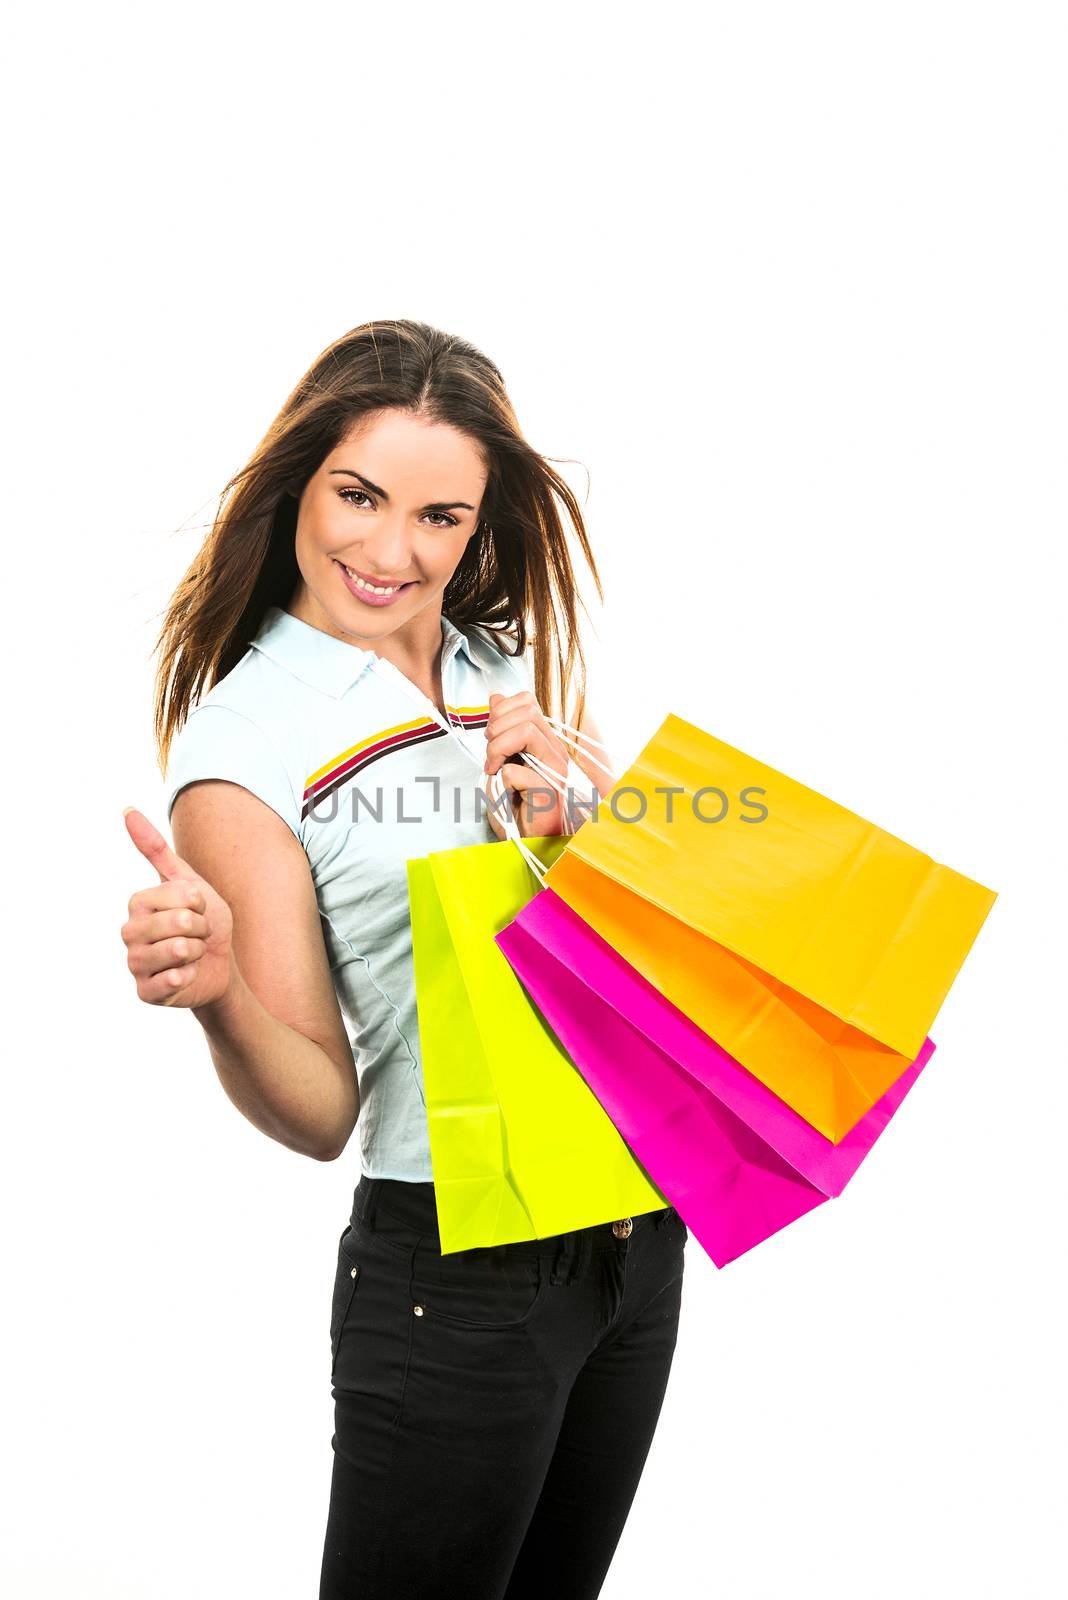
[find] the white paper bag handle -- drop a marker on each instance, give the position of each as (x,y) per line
(577,733)
(565,787)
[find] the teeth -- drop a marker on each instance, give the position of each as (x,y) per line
(370,587)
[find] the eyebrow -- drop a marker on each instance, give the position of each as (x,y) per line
(433,505)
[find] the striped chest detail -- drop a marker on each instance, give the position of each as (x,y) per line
(358,757)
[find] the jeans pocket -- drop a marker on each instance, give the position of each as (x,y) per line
(346,1279)
(488,1289)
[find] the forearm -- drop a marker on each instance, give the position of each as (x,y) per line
(585,777)
(282,1081)
(589,757)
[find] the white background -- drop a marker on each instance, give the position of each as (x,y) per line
(788,295)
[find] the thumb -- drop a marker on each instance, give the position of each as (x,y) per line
(154,847)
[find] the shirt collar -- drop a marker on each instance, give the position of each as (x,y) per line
(454,639)
(325,662)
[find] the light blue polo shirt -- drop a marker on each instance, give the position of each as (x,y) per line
(365,782)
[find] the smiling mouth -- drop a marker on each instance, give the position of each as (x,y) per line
(372,588)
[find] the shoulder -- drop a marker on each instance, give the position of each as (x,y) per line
(492,652)
(241,731)
(250,702)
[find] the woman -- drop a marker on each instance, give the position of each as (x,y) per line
(493,1407)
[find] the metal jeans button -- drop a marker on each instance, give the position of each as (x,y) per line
(624,1228)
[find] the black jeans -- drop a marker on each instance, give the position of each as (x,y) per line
(493,1408)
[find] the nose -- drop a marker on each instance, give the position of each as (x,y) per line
(387,551)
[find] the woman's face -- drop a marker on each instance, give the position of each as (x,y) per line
(395,504)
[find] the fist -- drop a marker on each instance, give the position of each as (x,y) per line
(517,727)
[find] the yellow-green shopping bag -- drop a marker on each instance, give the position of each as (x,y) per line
(520,1146)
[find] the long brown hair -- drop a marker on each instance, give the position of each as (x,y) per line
(515,576)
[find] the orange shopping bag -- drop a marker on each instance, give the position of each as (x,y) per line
(812,946)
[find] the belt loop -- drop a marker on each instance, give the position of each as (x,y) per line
(370,1204)
(558,1270)
(569,1254)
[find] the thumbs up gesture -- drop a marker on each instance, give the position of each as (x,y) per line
(178,934)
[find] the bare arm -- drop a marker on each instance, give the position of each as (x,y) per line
(276,1035)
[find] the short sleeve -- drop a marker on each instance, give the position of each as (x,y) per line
(218,742)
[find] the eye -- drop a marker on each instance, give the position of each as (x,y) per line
(446,522)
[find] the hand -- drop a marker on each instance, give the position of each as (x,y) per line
(178,935)
(517,725)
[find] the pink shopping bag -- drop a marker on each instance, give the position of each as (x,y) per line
(735,1160)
